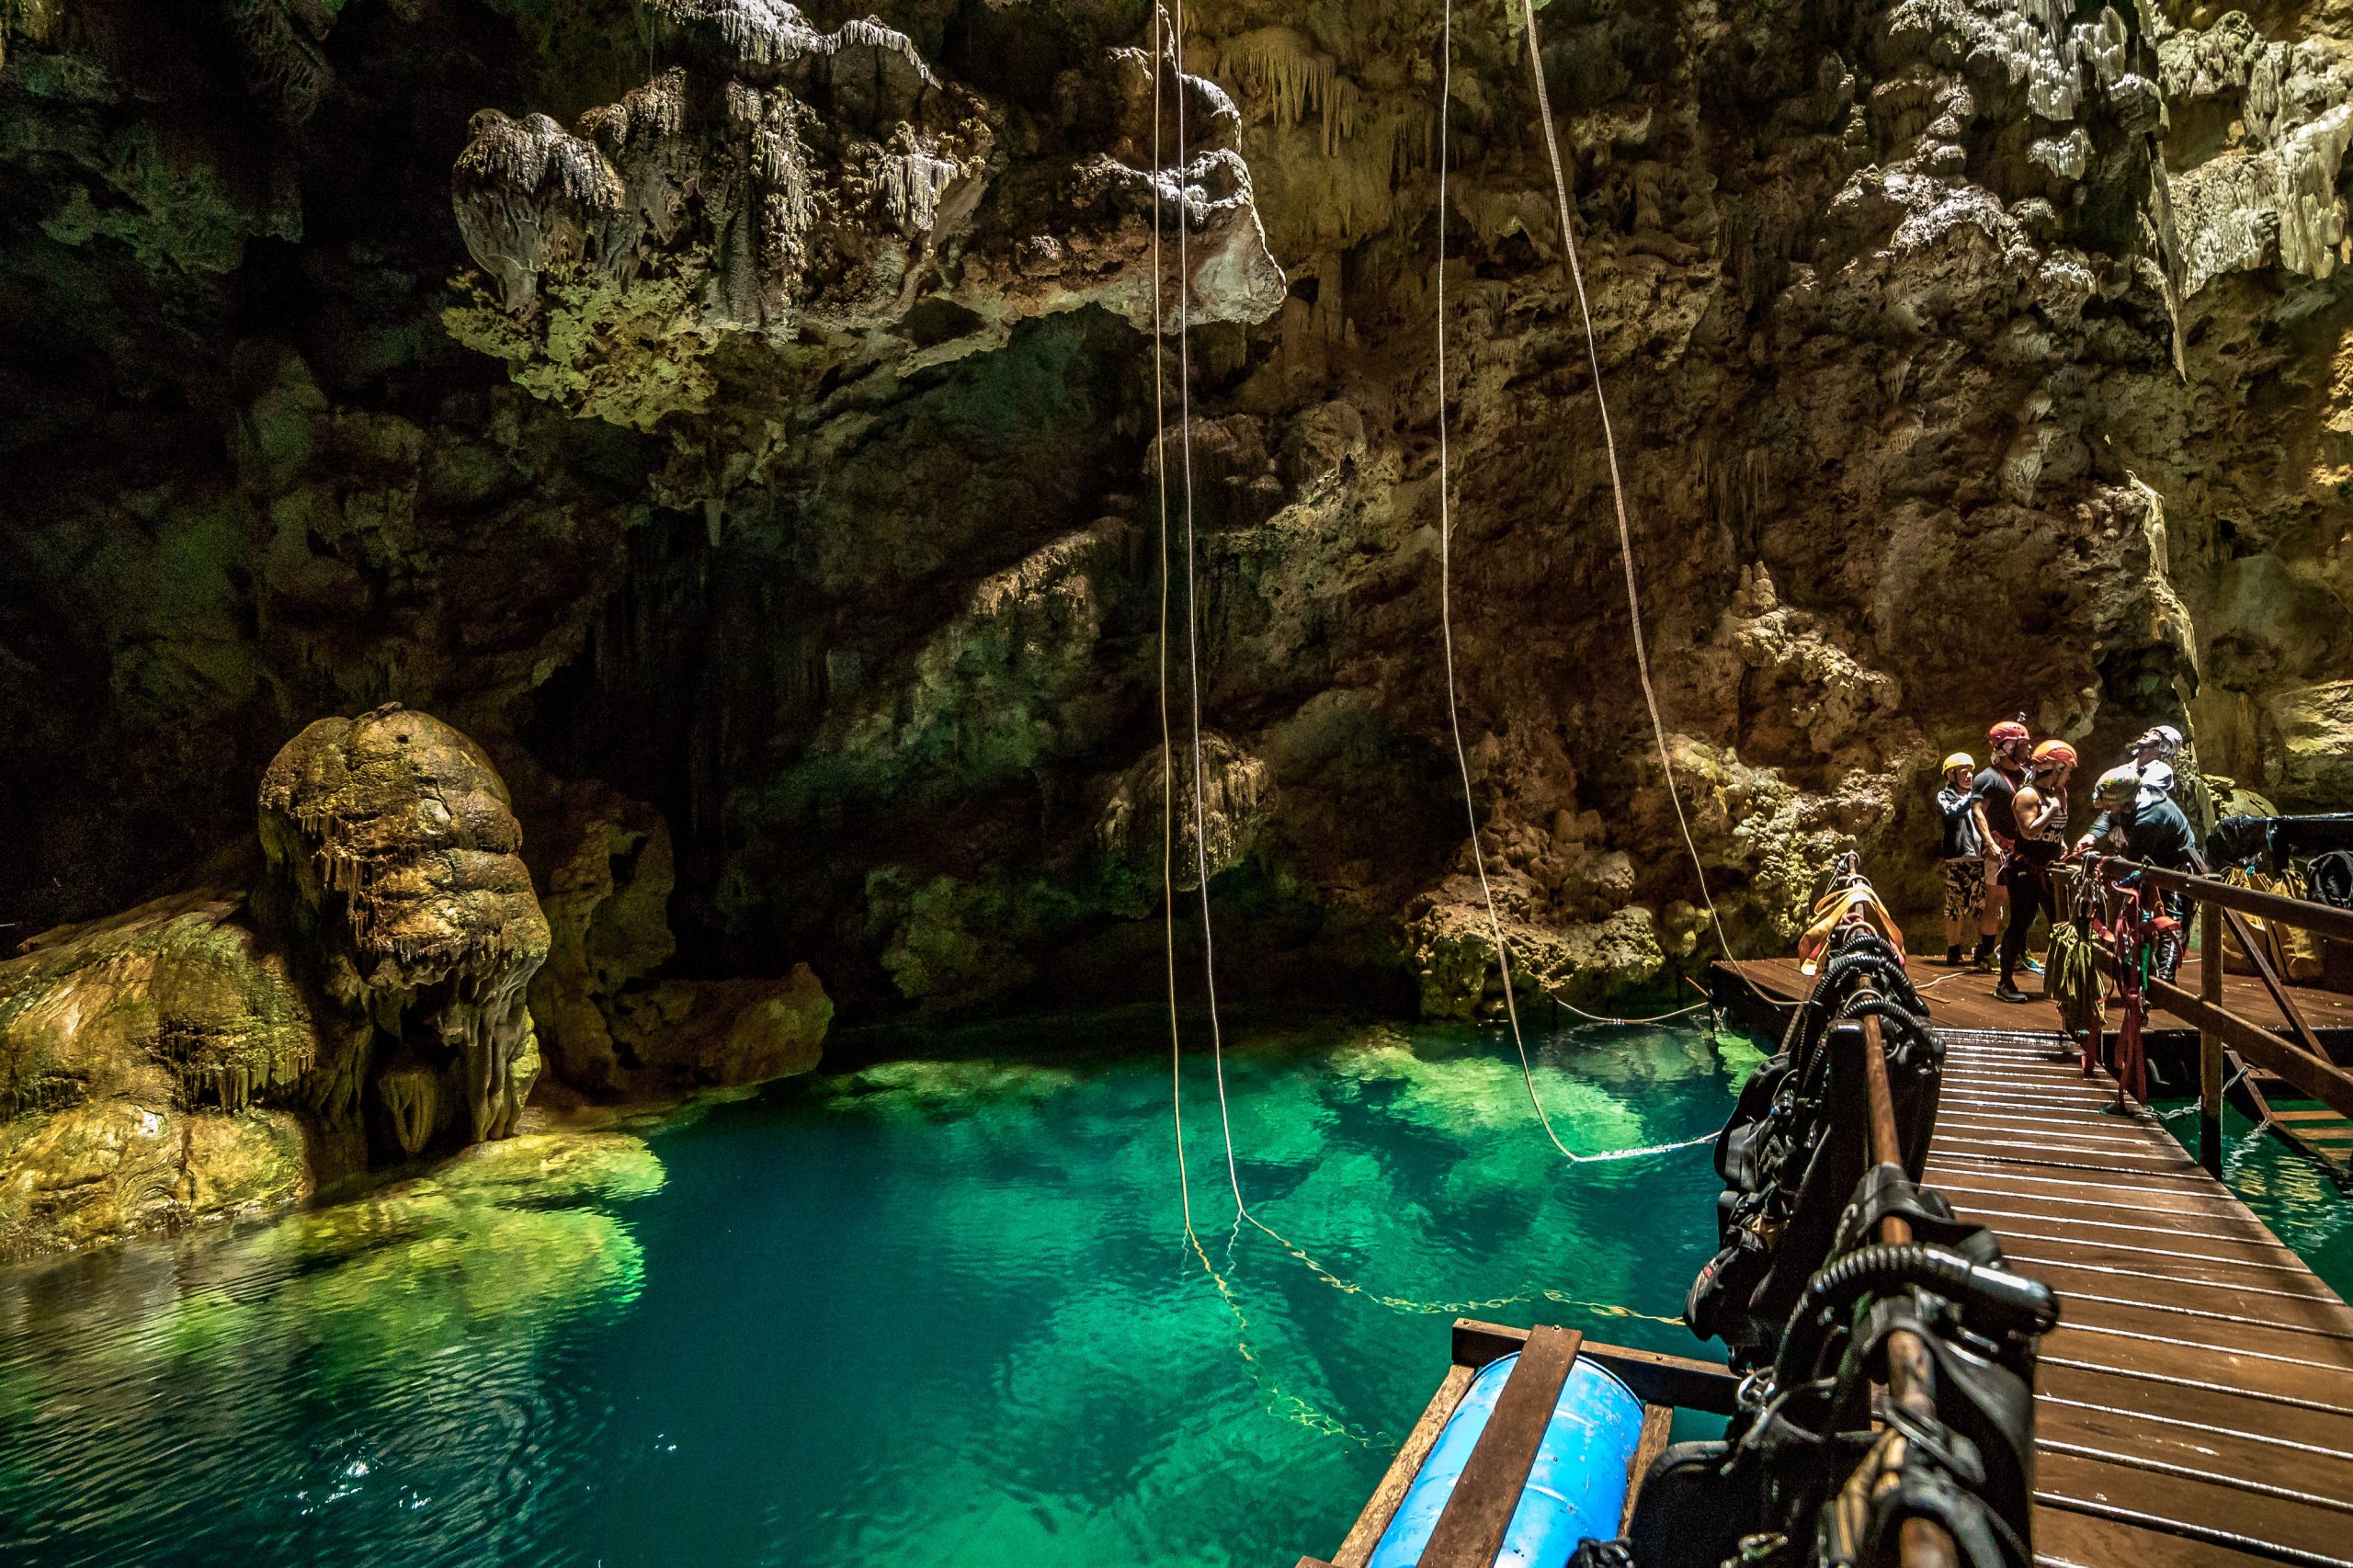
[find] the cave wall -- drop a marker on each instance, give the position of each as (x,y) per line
(768,436)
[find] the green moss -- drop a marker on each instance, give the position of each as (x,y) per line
(630,353)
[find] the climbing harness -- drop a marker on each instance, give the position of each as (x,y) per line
(2132,930)
(2071,973)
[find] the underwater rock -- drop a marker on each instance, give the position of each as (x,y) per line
(392,848)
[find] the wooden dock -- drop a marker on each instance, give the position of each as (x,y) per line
(2195,1404)
(1761,990)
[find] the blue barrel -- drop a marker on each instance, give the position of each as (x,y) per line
(1577,1488)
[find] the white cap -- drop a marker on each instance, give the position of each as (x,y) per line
(2164,737)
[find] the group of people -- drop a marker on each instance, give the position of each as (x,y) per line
(2006,827)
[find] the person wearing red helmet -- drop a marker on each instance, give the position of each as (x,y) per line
(2040,807)
(1995,789)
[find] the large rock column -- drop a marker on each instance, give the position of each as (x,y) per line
(395,853)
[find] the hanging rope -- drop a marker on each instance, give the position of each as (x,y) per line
(1453,711)
(1168,753)
(1193,628)
(1291,1404)
(1616,484)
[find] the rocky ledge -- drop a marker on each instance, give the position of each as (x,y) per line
(356,997)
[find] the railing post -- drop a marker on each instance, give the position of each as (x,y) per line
(2210,1044)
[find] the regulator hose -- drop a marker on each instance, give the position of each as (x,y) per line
(2018,1301)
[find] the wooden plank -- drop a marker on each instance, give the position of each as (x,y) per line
(2272,1326)
(2314,1384)
(2321,1080)
(2053,1182)
(1991,1188)
(2118,1295)
(2282,1002)
(2227,1410)
(2163,1269)
(1964,1117)
(2116,1158)
(1469,1530)
(2242,1458)
(1381,1508)
(2187,1379)
(2114,1178)
(2064,1539)
(1652,1375)
(2281,1523)
(2094,1230)
(1658,1420)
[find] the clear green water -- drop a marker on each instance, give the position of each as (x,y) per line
(2303,1204)
(929,1312)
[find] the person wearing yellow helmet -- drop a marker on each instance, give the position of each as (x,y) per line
(1961,854)
(2041,809)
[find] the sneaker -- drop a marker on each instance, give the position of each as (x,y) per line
(2034,966)
(2006,991)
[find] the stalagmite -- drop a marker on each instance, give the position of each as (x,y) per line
(395,850)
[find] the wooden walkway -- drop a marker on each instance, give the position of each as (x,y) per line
(2195,1405)
(1963,999)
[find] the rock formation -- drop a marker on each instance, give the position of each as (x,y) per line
(146,1061)
(396,848)
(1966,356)
(219,1052)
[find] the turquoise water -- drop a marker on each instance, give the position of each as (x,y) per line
(2303,1204)
(931,1311)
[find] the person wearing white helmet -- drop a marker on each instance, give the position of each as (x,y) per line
(2139,821)
(2158,742)
(1961,854)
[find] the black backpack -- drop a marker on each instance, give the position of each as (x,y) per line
(2330,877)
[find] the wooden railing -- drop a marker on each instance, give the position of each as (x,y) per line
(2296,1053)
